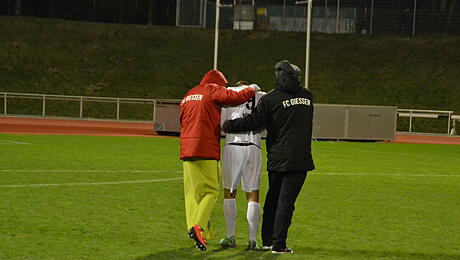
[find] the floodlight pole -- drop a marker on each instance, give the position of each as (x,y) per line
(307,41)
(216,31)
(216,34)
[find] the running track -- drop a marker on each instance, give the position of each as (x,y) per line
(27,125)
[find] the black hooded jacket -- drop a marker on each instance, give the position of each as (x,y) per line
(287,114)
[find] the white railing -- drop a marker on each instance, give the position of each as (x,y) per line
(417,113)
(80,99)
(455,118)
(410,113)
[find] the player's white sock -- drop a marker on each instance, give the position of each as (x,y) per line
(230,216)
(253,216)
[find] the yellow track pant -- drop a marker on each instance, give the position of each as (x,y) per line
(201,188)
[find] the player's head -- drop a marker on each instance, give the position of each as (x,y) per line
(214,77)
(287,76)
(284,67)
(241,83)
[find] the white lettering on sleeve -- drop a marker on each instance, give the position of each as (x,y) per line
(196,97)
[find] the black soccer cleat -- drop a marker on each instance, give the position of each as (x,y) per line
(282,251)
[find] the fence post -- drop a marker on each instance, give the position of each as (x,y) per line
(201,13)
(118,108)
(283,18)
(448,123)
(413,20)
(177,12)
(337,18)
(325,18)
(354,20)
(93,11)
(453,131)
(18,8)
(81,107)
(43,105)
(154,109)
(4,105)
(205,11)
(372,17)
(51,8)
(410,122)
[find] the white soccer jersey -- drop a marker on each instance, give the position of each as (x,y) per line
(230,113)
(241,156)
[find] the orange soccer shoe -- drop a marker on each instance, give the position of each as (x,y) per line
(195,233)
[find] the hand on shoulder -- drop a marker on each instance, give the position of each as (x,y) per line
(255,87)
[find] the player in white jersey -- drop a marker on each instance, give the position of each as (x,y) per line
(241,162)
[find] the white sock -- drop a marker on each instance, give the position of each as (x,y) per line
(253,216)
(230,216)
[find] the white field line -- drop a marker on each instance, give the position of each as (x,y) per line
(390,153)
(167,171)
(180,178)
(90,171)
(89,183)
(381,174)
(13,142)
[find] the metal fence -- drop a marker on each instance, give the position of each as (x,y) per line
(163,112)
(325,19)
(434,114)
(190,13)
(410,17)
(76,106)
(455,119)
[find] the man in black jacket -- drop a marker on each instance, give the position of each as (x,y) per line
(287,114)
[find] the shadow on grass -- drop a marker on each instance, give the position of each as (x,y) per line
(300,253)
(369,254)
(193,253)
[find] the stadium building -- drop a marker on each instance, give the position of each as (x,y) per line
(409,17)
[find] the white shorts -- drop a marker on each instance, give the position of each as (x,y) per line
(241,163)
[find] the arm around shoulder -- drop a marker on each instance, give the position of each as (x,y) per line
(252,122)
(225,96)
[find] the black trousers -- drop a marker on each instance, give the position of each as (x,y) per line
(283,189)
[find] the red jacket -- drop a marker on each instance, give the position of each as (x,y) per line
(200,115)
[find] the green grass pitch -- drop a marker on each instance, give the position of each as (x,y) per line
(87,197)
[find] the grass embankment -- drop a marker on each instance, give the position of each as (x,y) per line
(95,59)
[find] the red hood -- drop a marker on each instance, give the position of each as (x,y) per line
(215,77)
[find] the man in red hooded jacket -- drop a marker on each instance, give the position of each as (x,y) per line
(200,148)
